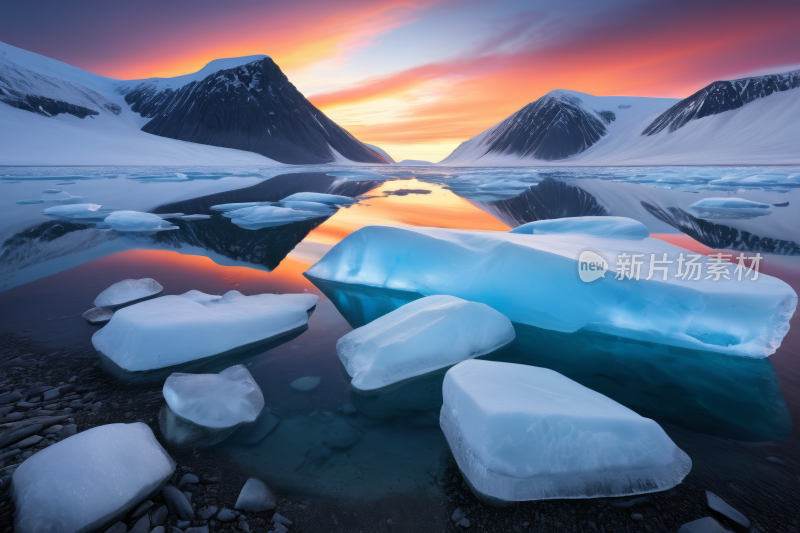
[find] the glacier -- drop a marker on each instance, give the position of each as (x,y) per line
(127,292)
(87,480)
(422,336)
(534,280)
(171,330)
(523,433)
(203,409)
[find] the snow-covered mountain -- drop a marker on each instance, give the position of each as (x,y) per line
(242,110)
(751,121)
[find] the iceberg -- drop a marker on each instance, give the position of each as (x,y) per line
(422,336)
(534,280)
(320,198)
(730,208)
(127,292)
(135,222)
(90,479)
(258,217)
(617,227)
(77,212)
(207,408)
(171,330)
(522,433)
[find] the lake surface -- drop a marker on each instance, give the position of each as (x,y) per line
(732,415)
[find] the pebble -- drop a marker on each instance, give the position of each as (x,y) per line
(67,431)
(280,528)
(306,383)
(96,406)
(184,524)
(9,397)
(52,430)
(704,525)
(52,394)
(143,508)
(715,503)
(142,525)
(159,516)
(463,523)
(458,514)
(226,515)
(158,529)
(89,396)
(244,526)
(207,512)
(255,496)
(188,496)
(15,435)
(30,441)
(119,527)
(189,479)
(201,529)
(177,503)
(638,517)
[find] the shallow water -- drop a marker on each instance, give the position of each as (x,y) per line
(392,442)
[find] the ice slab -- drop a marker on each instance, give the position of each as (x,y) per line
(98,316)
(128,291)
(171,330)
(617,227)
(222,400)
(534,280)
(523,433)
(320,198)
(77,211)
(422,336)
(268,216)
(730,208)
(85,481)
(135,222)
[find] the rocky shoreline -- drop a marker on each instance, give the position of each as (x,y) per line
(47,395)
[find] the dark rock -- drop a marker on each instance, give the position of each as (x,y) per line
(15,435)
(201,529)
(188,479)
(67,431)
(177,503)
(119,527)
(8,454)
(226,515)
(30,441)
(9,397)
(715,503)
(159,516)
(255,496)
(13,417)
(207,512)
(143,508)
(36,391)
(97,316)
(142,525)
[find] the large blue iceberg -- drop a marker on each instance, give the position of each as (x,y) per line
(534,279)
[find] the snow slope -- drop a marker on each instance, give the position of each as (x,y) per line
(765,131)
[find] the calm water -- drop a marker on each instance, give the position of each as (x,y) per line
(52,271)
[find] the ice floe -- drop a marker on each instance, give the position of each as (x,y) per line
(77,212)
(209,407)
(240,205)
(320,198)
(172,330)
(525,433)
(127,292)
(618,227)
(422,336)
(89,479)
(534,280)
(730,208)
(136,222)
(268,216)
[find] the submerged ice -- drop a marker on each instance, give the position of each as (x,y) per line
(128,291)
(525,433)
(172,330)
(420,337)
(206,408)
(533,279)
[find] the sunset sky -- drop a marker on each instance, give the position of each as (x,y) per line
(417,77)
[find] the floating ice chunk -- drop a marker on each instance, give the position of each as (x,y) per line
(222,400)
(306,383)
(533,279)
(420,337)
(29,202)
(320,198)
(240,205)
(89,479)
(77,211)
(730,208)
(57,195)
(618,227)
(357,175)
(208,408)
(269,216)
(171,330)
(525,433)
(127,292)
(327,209)
(135,221)
(195,217)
